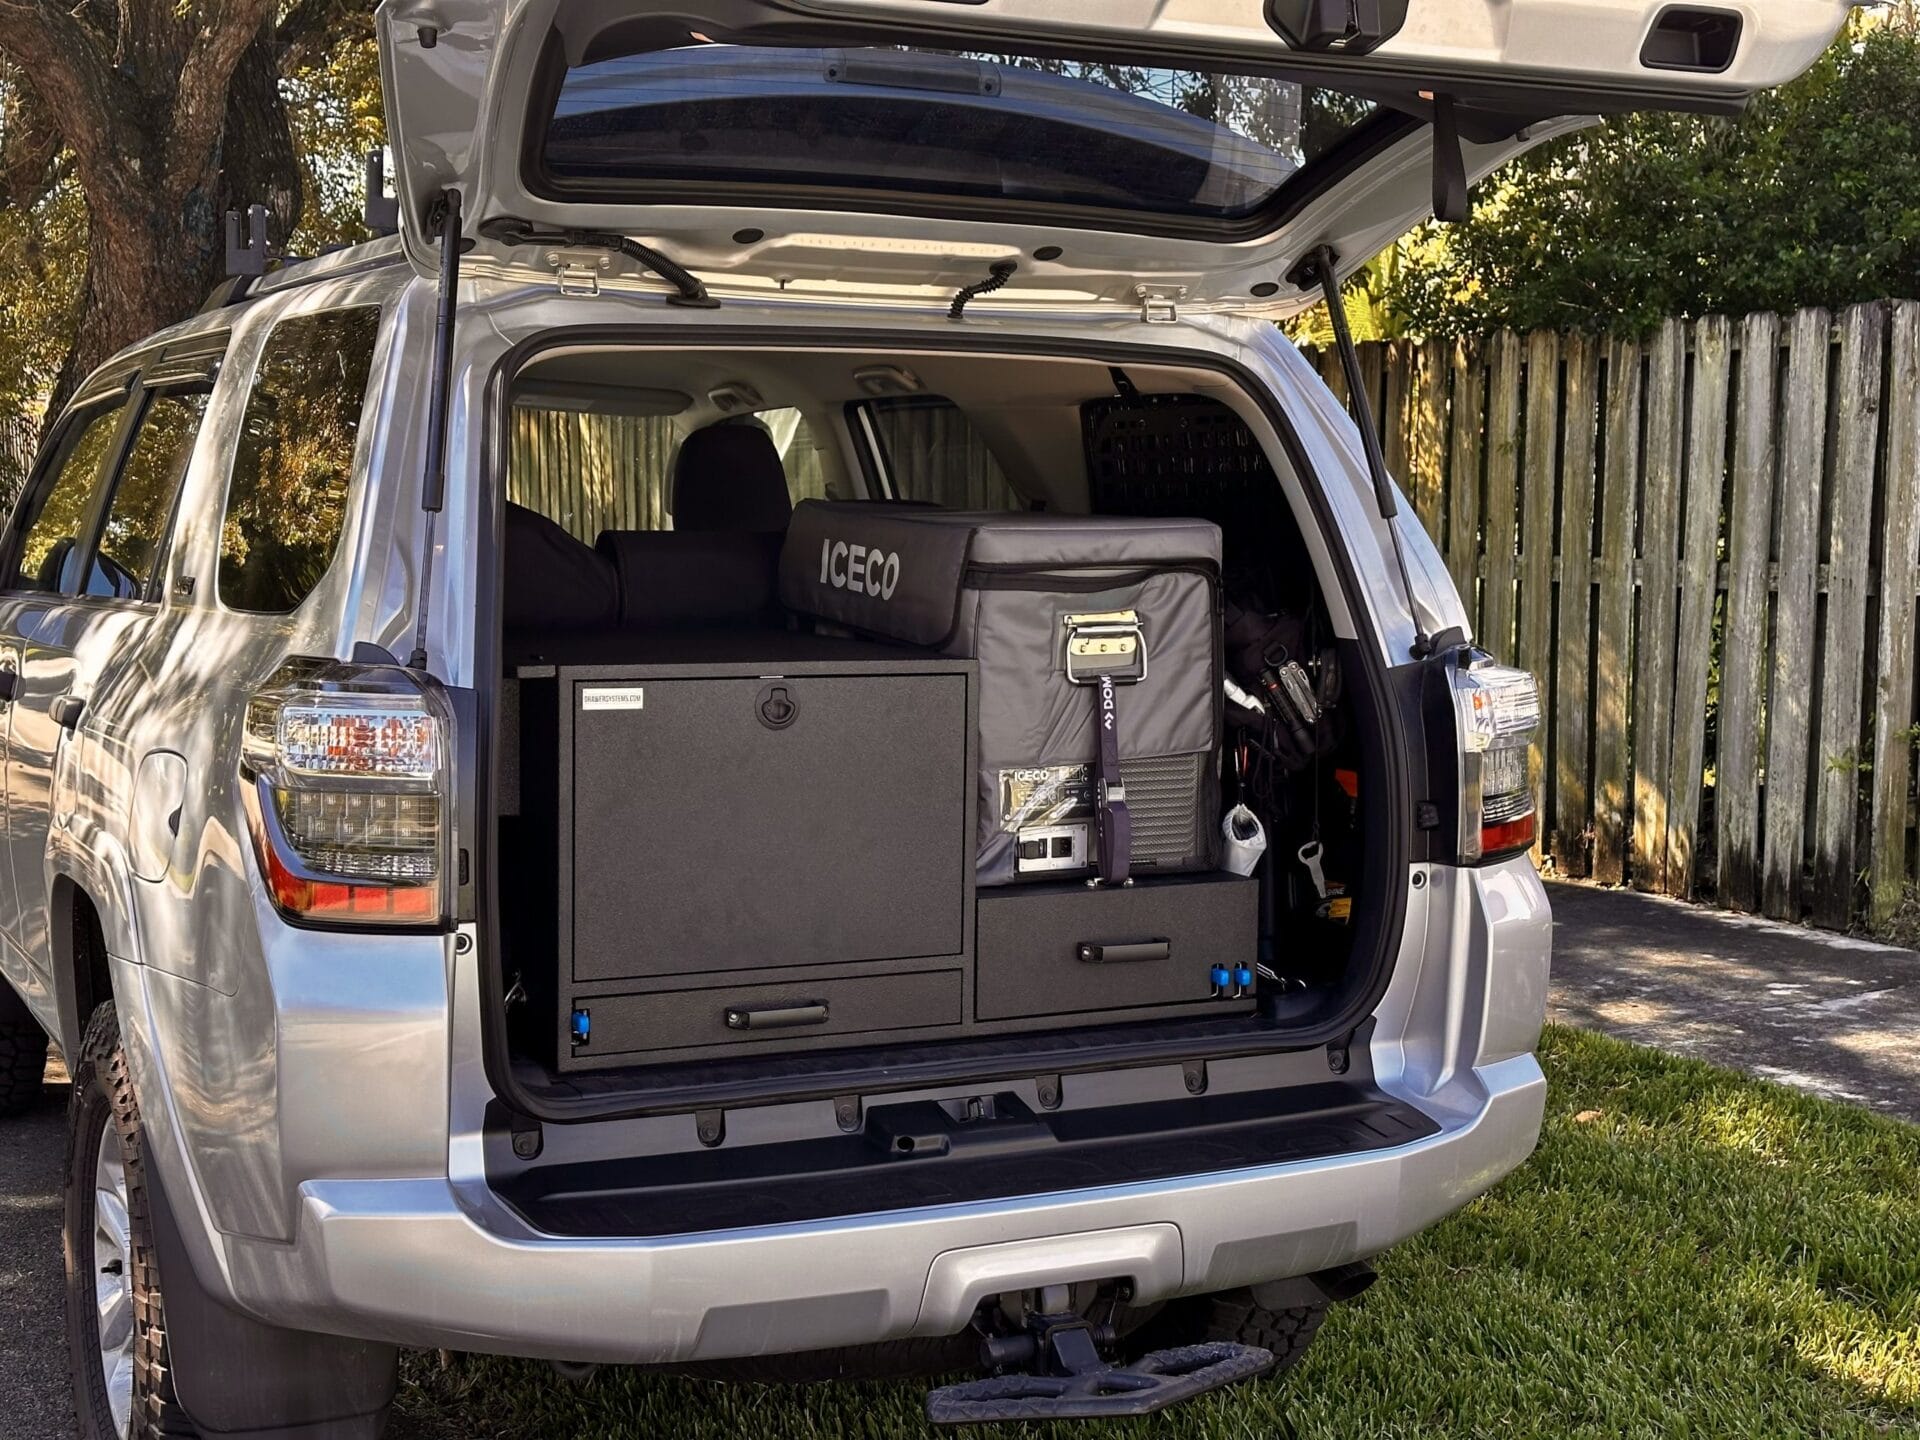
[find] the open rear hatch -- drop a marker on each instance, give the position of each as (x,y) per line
(893,150)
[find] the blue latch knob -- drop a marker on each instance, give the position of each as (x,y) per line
(582,1026)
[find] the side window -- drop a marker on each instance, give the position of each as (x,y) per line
(588,471)
(933,454)
(49,550)
(142,506)
(292,469)
(802,454)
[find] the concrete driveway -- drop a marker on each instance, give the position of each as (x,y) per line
(1830,1014)
(34,1403)
(1827,1013)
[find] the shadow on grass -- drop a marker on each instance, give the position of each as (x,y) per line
(1689,1253)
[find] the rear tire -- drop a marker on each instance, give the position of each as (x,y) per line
(1232,1315)
(122,1383)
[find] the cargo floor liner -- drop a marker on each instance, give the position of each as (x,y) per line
(908,1156)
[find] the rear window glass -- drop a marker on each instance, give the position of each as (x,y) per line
(294,464)
(998,127)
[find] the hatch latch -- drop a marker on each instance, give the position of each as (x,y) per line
(578,271)
(1160,304)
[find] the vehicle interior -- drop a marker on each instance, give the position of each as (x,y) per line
(678,910)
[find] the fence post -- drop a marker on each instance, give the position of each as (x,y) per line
(1849,543)
(1699,565)
(1653,645)
(1503,473)
(1463,492)
(1572,796)
(1743,669)
(1893,739)
(1613,634)
(1541,465)
(1789,704)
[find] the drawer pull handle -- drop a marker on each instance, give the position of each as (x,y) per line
(775,1017)
(1125,953)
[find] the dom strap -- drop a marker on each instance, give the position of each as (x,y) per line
(1112,820)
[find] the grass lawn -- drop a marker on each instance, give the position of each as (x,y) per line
(1690,1253)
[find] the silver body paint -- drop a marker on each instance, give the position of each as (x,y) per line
(315,1100)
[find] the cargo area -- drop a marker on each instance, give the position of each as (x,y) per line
(909,715)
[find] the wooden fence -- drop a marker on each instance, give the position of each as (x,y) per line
(1705,547)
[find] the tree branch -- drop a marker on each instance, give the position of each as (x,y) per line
(200,100)
(58,61)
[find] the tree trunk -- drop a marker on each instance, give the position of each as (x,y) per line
(174,115)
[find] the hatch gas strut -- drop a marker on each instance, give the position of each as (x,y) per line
(691,289)
(1320,268)
(433,488)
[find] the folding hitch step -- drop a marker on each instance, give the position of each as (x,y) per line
(1065,1379)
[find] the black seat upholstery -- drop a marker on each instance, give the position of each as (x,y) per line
(716,567)
(554,581)
(729,477)
(669,577)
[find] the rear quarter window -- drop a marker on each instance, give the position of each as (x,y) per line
(293,466)
(934,455)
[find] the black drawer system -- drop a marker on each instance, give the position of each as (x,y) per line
(779,853)
(1068,950)
(793,1014)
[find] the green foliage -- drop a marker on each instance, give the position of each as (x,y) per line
(43,238)
(333,101)
(1812,197)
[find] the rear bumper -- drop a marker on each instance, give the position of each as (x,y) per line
(405,1260)
(436,1259)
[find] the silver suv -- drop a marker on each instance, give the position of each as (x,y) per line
(787,735)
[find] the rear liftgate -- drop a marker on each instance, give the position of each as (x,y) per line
(1052,1369)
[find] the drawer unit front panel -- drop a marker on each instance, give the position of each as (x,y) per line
(739,823)
(1153,944)
(793,1015)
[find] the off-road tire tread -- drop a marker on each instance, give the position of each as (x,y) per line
(23,1064)
(157,1414)
(1232,1315)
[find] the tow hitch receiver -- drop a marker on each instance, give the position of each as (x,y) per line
(1064,1377)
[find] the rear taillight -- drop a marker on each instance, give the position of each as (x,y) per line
(1499,711)
(348,768)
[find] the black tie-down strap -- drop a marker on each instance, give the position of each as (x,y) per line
(1104,651)
(1113,822)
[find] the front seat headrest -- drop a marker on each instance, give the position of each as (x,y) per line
(729,477)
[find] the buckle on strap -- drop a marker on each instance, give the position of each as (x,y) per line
(1109,643)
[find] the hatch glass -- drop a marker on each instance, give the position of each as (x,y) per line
(845,124)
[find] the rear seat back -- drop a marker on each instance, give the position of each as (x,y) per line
(717,566)
(554,581)
(712,578)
